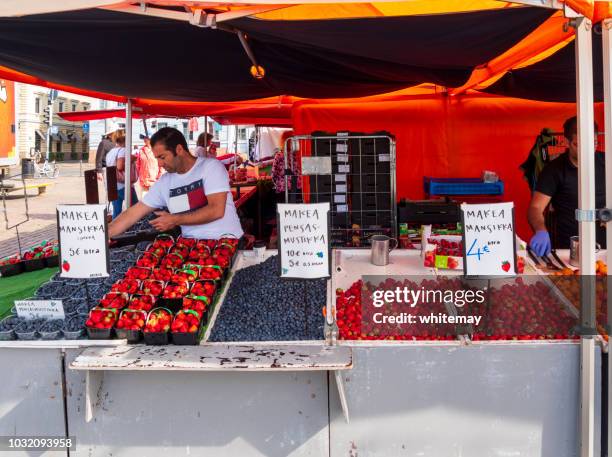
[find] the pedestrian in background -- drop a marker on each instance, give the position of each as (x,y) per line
(104,147)
(147,167)
(116,157)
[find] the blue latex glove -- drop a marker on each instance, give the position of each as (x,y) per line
(540,243)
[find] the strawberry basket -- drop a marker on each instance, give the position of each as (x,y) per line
(130,324)
(157,327)
(187,327)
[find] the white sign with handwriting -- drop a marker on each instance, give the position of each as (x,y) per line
(83,241)
(45,309)
(489,239)
(303,236)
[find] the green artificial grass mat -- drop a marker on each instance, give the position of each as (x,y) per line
(21,286)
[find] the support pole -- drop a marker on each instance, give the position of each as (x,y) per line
(586,201)
(128,153)
(607,68)
(205,134)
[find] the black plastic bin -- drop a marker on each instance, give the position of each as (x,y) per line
(27,168)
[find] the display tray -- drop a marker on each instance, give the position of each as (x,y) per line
(244,357)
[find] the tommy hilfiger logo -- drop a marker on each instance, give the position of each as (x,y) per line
(187,198)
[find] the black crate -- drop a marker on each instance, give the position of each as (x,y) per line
(132,336)
(52,261)
(11,269)
(156,338)
(99,333)
(34,264)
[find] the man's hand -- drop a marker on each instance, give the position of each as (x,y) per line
(164,222)
(540,243)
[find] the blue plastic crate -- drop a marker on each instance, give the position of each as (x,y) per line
(461,186)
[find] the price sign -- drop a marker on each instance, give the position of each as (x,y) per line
(45,309)
(83,241)
(303,237)
(489,239)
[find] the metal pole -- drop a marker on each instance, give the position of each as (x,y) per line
(49,128)
(607,68)
(586,201)
(144,124)
(205,133)
(128,152)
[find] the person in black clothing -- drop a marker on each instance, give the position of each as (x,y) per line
(106,144)
(558,185)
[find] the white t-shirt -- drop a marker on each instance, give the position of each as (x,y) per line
(111,161)
(186,192)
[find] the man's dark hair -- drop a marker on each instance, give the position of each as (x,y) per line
(570,128)
(170,138)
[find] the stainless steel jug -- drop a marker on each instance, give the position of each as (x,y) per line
(380,249)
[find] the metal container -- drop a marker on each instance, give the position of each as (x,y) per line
(574,259)
(380,248)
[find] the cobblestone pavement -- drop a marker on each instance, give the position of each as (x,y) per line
(69,187)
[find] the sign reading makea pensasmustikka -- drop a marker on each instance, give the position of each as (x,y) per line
(83,241)
(43,309)
(489,239)
(303,240)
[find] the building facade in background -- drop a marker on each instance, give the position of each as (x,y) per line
(67,140)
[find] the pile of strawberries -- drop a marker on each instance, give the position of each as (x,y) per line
(188,270)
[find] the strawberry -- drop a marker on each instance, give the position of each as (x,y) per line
(131,320)
(176,290)
(205,288)
(142,302)
(152,286)
(115,300)
(186,321)
(158,321)
(196,303)
(128,286)
(101,318)
(138,273)
(147,260)
(172,260)
(162,274)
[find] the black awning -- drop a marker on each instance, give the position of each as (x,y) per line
(327,58)
(552,79)
(40,135)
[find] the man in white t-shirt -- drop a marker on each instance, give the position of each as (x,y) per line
(196,192)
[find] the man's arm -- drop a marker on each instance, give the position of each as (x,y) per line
(128,218)
(535,213)
(215,209)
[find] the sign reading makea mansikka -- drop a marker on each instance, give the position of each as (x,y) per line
(303,240)
(83,241)
(489,239)
(43,309)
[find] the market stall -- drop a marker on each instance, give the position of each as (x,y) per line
(279,367)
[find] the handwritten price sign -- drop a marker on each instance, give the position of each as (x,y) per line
(489,239)
(304,240)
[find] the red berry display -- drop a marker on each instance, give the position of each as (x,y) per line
(163,241)
(189,242)
(116,300)
(138,273)
(101,318)
(200,251)
(159,321)
(196,303)
(131,319)
(128,286)
(163,274)
(172,260)
(185,275)
(176,290)
(152,286)
(211,272)
(204,289)
(186,321)
(143,302)
(180,249)
(147,260)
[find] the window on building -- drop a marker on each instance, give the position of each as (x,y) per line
(85,107)
(58,146)
(60,106)
(74,107)
(161,125)
(191,135)
(185,129)
(37,143)
(242,133)
(37,105)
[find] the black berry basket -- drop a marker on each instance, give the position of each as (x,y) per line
(188,338)
(188,304)
(173,304)
(156,338)
(101,333)
(52,261)
(11,269)
(132,336)
(34,264)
